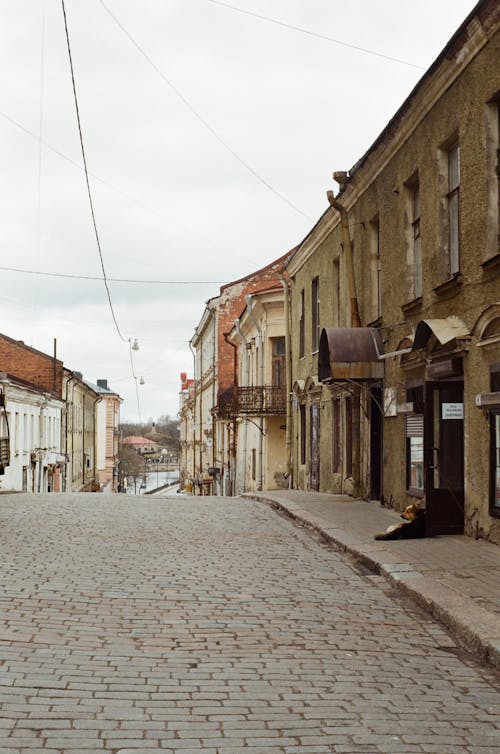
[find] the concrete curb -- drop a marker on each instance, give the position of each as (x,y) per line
(474,627)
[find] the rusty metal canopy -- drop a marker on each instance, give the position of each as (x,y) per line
(445,330)
(350,353)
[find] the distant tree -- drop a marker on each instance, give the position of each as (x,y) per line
(132,464)
(164,431)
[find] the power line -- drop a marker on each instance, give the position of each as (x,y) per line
(316,34)
(106,183)
(200,117)
(114,280)
(87,175)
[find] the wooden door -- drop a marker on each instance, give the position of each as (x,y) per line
(444,457)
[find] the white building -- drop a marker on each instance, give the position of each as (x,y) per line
(31,419)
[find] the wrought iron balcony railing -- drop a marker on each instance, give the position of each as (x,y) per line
(262,400)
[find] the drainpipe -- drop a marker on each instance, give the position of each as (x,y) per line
(355,318)
(288,373)
(260,380)
(235,384)
(214,393)
(194,418)
(247,382)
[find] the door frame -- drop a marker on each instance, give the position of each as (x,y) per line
(444,503)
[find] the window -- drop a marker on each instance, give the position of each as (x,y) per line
(452,200)
(279,365)
(416,242)
(493,177)
(315,314)
(375,268)
(415,442)
(302,433)
(349,430)
(336,437)
(336,293)
(254,464)
(301,324)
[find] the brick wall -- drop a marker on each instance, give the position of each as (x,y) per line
(31,365)
(231,304)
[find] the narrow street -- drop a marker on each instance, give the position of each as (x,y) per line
(216,625)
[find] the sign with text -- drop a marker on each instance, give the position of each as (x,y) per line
(452,410)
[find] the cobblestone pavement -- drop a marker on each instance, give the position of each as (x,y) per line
(217,626)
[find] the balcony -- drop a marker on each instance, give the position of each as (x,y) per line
(263,400)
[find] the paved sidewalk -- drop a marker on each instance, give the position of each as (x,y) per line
(455,577)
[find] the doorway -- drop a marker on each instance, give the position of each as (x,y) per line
(376,438)
(314,446)
(444,457)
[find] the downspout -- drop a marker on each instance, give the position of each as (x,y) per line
(288,374)
(96,401)
(235,426)
(247,382)
(194,418)
(355,318)
(260,379)
(214,394)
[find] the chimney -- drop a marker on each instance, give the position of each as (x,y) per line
(102,383)
(79,375)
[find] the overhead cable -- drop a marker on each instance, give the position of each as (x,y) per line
(114,280)
(316,34)
(87,176)
(106,183)
(200,117)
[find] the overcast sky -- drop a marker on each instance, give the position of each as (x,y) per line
(172,201)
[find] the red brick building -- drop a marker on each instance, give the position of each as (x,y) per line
(40,369)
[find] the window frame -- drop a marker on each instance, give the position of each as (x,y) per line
(315,328)
(453,209)
(302,328)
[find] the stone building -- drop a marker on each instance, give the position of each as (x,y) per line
(395,302)
(260,395)
(108,435)
(31,421)
(213,438)
(80,433)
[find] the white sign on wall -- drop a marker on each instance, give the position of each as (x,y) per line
(452,410)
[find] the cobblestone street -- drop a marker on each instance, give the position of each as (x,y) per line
(217,626)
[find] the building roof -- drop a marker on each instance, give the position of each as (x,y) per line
(136,440)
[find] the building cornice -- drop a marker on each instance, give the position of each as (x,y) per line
(450,64)
(325,225)
(435,82)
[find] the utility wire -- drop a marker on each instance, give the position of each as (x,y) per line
(106,183)
(200,117)
(114,280)
(316,34)
(87,176)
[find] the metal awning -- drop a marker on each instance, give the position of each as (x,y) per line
(351,353)
(445,330)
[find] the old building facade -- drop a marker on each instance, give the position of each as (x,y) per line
(212,425)
(108,435)
(80,433)
(395,305)
(32,423)
(260,399)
